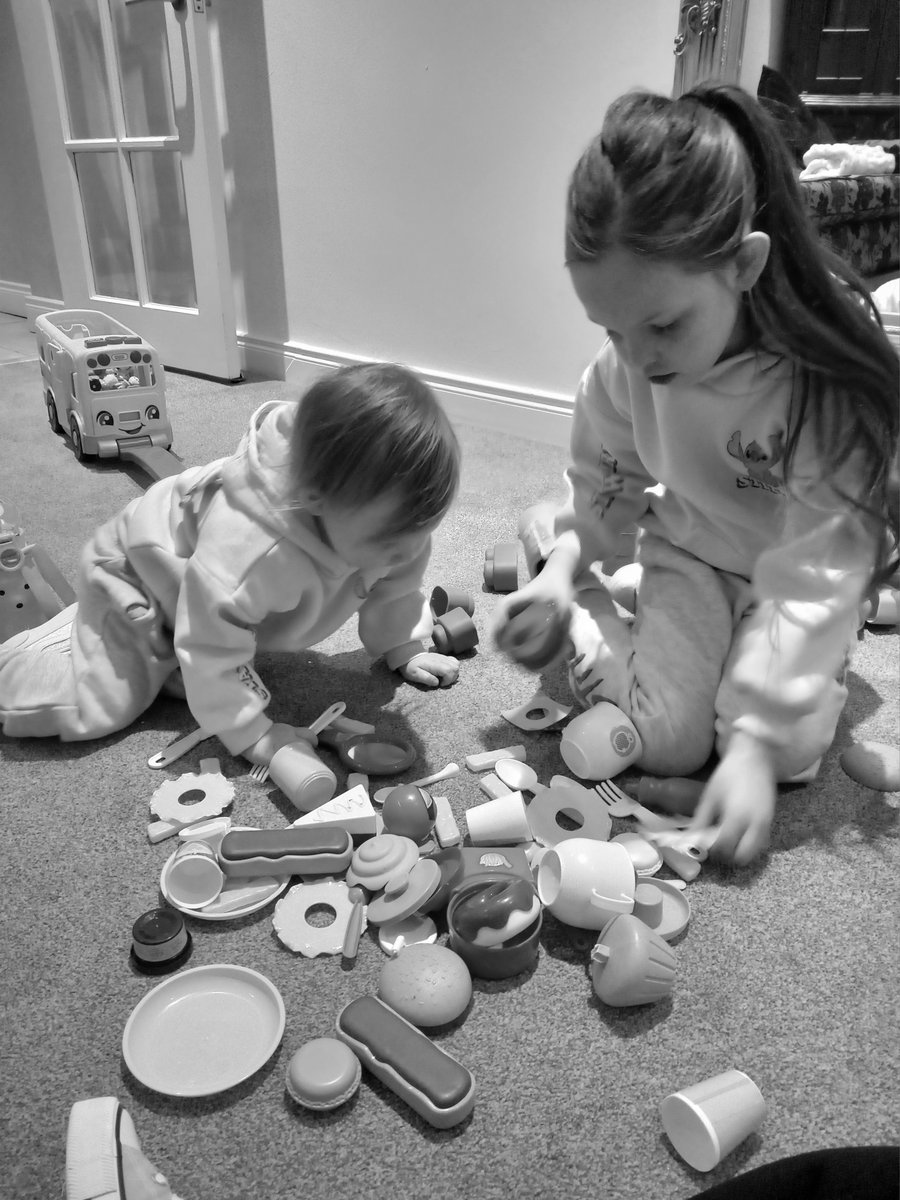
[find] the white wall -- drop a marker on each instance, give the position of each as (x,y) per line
(420,151)
(27,259)
(397,176)
(762,40)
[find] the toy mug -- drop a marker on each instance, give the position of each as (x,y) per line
(600,742)
(586,883)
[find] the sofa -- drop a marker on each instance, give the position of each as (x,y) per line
(859,218)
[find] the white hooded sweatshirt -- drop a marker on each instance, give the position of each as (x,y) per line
(236,568)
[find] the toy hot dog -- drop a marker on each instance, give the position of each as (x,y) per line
(433,1083)
(295,850)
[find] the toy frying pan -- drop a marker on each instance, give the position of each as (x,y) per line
(375,754)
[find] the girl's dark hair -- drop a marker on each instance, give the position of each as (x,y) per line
(376,428)
(684,180)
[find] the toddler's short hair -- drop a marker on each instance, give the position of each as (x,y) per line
(374,428)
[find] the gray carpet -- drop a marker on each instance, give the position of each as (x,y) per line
(788,970)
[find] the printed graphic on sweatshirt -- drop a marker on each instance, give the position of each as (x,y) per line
(611,482)
(757,462)
(249,678)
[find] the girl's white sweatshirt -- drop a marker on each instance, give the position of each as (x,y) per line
(699,461)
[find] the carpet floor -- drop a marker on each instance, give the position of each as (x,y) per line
(787,970)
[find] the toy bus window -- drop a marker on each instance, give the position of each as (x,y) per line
(41,351)
(115,375)
(72,384)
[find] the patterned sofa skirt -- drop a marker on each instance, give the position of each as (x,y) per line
(859,218)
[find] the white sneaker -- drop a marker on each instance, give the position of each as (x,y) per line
(104,1159)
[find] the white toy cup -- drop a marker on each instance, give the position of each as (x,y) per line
(600,743)
(706,1121)
(302,776)
(586,883)
(499,822)
(194,878)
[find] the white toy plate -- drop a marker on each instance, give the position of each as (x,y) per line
(204,1030)
(237,898)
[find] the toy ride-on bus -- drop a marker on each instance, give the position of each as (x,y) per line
(103,385)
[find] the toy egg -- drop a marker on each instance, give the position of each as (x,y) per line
(428,984)
(409,811)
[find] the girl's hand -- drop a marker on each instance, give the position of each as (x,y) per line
(532,624)
(431,669)
(740,800)
(273,739)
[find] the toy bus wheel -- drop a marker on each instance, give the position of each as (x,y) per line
(51,415)
(77,444)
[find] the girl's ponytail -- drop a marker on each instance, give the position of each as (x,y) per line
(811,306)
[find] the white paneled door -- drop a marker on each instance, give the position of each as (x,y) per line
(123,101)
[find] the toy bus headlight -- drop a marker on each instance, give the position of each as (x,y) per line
(152,413)
(135,356)
(104,418)
(11,559)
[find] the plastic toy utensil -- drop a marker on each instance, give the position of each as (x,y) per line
(517,775)
(620,804)
(355,924)
(447,772)
(178,748)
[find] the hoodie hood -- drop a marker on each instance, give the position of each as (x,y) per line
(258,481)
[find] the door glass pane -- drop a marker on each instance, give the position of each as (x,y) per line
(106,223)
(143,49)
(80,45)
(159,188)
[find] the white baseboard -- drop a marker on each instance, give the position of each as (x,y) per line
(543,417)
(17,300)
(13,297)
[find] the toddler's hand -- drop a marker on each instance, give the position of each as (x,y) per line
(273,739)
(740,800)
(431,669)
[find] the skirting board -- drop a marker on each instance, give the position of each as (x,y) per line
(17,299)
(542,417)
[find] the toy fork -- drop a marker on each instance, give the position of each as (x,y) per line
(259,772)
(620,804)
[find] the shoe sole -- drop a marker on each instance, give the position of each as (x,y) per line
(97,1129)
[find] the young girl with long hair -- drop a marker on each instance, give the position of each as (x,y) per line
(743,412)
